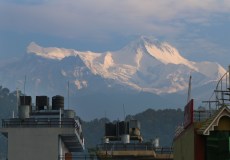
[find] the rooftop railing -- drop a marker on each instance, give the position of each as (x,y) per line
(36,123)
(134,147)
(202,115)
(44,123)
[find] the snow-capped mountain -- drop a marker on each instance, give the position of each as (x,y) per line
(145,65)
(146,73)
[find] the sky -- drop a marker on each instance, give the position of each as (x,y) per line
(198,29)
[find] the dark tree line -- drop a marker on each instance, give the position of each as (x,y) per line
(8,102)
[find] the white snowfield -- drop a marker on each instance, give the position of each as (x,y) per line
(145,64)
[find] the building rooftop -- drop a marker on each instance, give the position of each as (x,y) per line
(52,130)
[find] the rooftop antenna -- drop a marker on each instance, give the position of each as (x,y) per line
(68,94)
(124,119)
(105,118)
(25,90)
(17,101)
(124,111)
(189,88)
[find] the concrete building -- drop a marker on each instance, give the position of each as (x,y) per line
(43,132)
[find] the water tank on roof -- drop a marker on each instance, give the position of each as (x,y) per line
(157,142)
(134,124)
(24,111)
(134,132)
(42,102)
(123,127)
(106,140)
(57,102)
(25,100)
(69,114)
(125,138)
(110,129)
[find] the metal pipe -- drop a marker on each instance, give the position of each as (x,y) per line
(229,77)
(60,117)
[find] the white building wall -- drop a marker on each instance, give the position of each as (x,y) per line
(35,143)
(62,149)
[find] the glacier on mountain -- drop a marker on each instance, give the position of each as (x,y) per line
(144,64)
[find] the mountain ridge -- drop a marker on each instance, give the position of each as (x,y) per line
(100,82)
(137,64)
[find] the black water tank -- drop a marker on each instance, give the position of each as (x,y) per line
(57,102)
(42,102)
(110,129)
(134,124)
(123,127)
(25,100)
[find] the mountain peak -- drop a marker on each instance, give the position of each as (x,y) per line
(161,51)
(150,40)
(50,52)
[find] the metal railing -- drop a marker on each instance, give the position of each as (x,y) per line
(198,116)
(134,147)
(202,115)
(44,123)
(36,123)
(79,157)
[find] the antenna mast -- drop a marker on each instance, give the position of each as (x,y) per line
(68,94)
(17,96)
(25,90)
(189,88)
(124,111)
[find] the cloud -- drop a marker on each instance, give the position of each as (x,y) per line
(100,17)
(103,20)
(23,2)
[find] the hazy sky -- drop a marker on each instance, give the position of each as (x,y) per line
(198,29)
